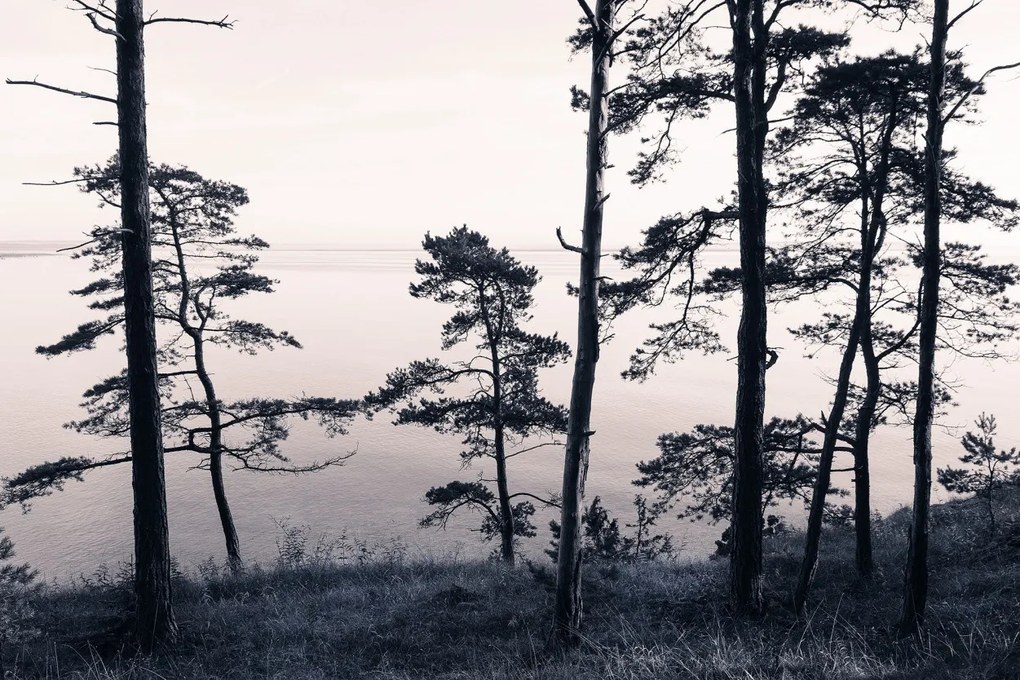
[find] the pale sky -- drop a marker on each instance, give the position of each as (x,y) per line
(366,122)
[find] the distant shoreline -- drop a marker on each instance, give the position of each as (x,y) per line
(11,256)
(33,248)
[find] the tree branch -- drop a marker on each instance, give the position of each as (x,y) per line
(225,22)
(981,81)
(73,93)
(590,14)
(567,246)
(101,9)
(108,31)
(973,5)
(544,501)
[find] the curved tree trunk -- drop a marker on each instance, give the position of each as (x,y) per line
(749,45)
(233,544)
(567,613)
(822,482)
(215,415)
(862,463)
(154,616)
(915,581)
(872,235)
(226,519)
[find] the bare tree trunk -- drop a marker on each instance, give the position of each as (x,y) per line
(154,616)
(567,615)
(915,582)
(862,464)
(752,349)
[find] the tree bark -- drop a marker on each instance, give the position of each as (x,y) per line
(749,45)
(862,463)
(915,581)
(506,518)
(822,482)
(233,544)
(226,518)
(568,603)
(506,525)
(212,403)
(872,233)
(154,616)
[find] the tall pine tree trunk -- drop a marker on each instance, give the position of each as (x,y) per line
(154,617)
(567,614)
(915,586)
(506,524)
(507,530)
(752,349)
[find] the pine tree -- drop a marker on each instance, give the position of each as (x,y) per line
(200,266)
(494,401)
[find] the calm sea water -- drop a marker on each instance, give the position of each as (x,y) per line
(352,312)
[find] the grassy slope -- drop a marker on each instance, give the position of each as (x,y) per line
(480,620)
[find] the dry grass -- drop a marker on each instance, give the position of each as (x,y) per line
(391,619)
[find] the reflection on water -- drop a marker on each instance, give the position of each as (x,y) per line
(352,313)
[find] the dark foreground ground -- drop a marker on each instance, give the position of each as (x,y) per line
(394,619)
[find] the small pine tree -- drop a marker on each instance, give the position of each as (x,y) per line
(490,395)
(15,582)
(605,542)
(990,469)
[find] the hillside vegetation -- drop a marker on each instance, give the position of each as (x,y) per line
(313,616)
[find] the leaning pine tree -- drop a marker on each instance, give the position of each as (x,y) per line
(200,264)
(491,397)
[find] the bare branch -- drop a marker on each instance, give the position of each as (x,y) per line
(590,14)
(973,5)
(56,183)
(108,31)
(101,9)
(225,22)
(80,245)
(73,93)
(544,501)
(981,81)
(567,246)
(626,26)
